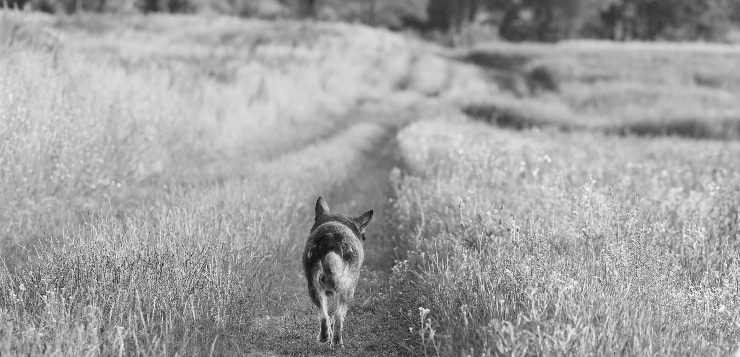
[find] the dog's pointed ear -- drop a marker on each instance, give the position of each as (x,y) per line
(322,208)
(364,219)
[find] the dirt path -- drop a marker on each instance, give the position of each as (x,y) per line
(373,325)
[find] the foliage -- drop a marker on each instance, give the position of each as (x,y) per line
(264,9)
(396,14)
(615,19)
(172,6)
(516,20)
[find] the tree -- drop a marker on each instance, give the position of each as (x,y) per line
(461,15)
(174,6)
(542,20)
(74,6)
(395,14)
(667,19)
(554,20)
(309,8)
(13,4)
(700,20)
(454,17)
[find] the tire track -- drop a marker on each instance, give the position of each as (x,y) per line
(373,326)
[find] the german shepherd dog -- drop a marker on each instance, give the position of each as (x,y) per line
(332,262)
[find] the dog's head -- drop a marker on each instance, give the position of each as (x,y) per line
(323,215)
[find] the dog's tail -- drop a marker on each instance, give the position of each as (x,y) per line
(332,264)
(330,252)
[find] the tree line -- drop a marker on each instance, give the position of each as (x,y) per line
(515,20)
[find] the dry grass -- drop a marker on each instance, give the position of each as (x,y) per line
(156,176)
(603,246)
(156,173)
(96,121)
(646,89)
(80,137)
(176,274)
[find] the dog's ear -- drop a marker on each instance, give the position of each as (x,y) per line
(363,220)
(322,208)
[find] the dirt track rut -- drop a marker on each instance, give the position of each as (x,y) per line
(373,328)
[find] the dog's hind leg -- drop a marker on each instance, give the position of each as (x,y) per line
(325,327)
(339,313)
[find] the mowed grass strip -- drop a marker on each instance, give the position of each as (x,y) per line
(549,243)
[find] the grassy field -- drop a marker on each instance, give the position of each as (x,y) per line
(158,174)
(601,246)
(573,218)
(645,89)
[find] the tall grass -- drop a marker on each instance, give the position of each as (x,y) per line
(79,137)
(605,246)
(155,174)
(101,121)
(678,89)
(259,88)
(155,177)
(173,276)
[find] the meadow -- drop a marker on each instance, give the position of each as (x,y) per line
(589,209)
(645,89)
(158,173)
(549,243)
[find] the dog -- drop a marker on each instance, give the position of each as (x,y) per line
(332,261)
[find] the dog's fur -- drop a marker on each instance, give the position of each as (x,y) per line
(332,262)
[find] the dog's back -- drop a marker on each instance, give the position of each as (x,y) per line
(332,258)
(332,261)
